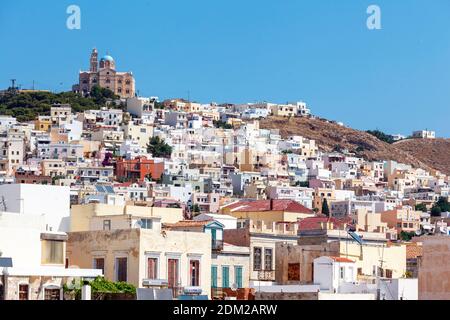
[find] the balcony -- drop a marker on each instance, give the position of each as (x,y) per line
(266,275)
(217,245)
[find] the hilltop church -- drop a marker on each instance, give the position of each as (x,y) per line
(104,74)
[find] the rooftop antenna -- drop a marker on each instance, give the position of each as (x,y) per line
(13,85)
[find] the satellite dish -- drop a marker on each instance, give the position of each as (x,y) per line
(418,232)
(234,287)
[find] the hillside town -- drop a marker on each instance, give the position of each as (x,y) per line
(178,199)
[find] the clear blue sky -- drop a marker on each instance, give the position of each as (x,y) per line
(396,79)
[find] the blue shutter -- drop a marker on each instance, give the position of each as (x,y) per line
(225,277)
(214,276)
(238,276)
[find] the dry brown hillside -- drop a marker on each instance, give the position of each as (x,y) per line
(329,135)
(434,152)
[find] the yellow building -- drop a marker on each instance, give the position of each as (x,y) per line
(43,123)
(146,256)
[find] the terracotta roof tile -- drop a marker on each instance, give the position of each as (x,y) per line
(341,259)
(269,205)
(186,223)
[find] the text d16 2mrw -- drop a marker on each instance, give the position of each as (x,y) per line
(226,309)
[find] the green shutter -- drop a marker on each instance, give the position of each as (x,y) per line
(214,276)
(238,276)
(225,277)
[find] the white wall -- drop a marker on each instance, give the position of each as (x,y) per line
(33,199)
(20,239)
(399,289)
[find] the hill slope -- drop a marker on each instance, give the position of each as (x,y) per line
(331,136)
(434,152)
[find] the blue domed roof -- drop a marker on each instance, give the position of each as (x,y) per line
(108,58)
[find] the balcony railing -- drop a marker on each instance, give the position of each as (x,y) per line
(217,245)
(266,275)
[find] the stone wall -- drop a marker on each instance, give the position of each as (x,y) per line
(434,269)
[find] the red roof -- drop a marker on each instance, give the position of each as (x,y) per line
(269,205)
(340,259)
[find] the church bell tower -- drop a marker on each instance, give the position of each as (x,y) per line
(94,61)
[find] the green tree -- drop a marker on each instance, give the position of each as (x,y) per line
(304,184)
(436,211)
(382,136)
(406,236)
(421,207)
(26,106)
(325,208)
(221,124)
(159,148)
(442,205)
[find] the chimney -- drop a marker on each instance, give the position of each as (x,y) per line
(271,204)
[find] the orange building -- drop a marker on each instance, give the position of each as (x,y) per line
(138,169)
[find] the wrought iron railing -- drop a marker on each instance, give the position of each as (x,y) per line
(217,245)
(266,275)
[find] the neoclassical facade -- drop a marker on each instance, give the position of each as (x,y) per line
(104,74)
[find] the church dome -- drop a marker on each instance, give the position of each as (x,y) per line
(108,58)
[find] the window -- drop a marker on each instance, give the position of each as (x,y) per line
(52,252)
(52,294)
(152,268)
(256,258)
(294,272)
(238,276)
(225,277)
(214,276)
(99,263)
(268,259)
(388,274)
(172,272)
(23,291)
(341,273)
(121,269)
(107,225)
(194,272)
(146,223)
